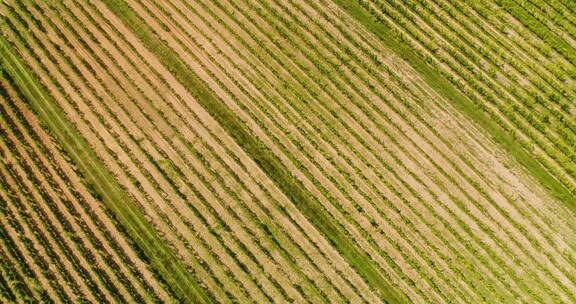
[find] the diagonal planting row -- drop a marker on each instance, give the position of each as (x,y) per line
(433,99)
(528,93)
(375,27)
(267,161)
(566,197)
(87,233)
(415,196)
(174,163)
(180,46)
(31,169)
(48,218)
(161,260)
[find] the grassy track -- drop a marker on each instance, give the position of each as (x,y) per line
(160,256)
(461,102)
(257,150)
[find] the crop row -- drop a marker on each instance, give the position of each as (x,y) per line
(328,138)
(136,167)
(486,87)
(184,50)
(87,230)
(547,106)
(157,246)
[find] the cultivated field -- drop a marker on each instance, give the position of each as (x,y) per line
(326,151)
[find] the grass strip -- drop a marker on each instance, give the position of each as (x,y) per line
(149,245)
(258,151)
(436,81)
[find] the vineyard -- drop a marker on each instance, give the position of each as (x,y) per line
(287,151)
